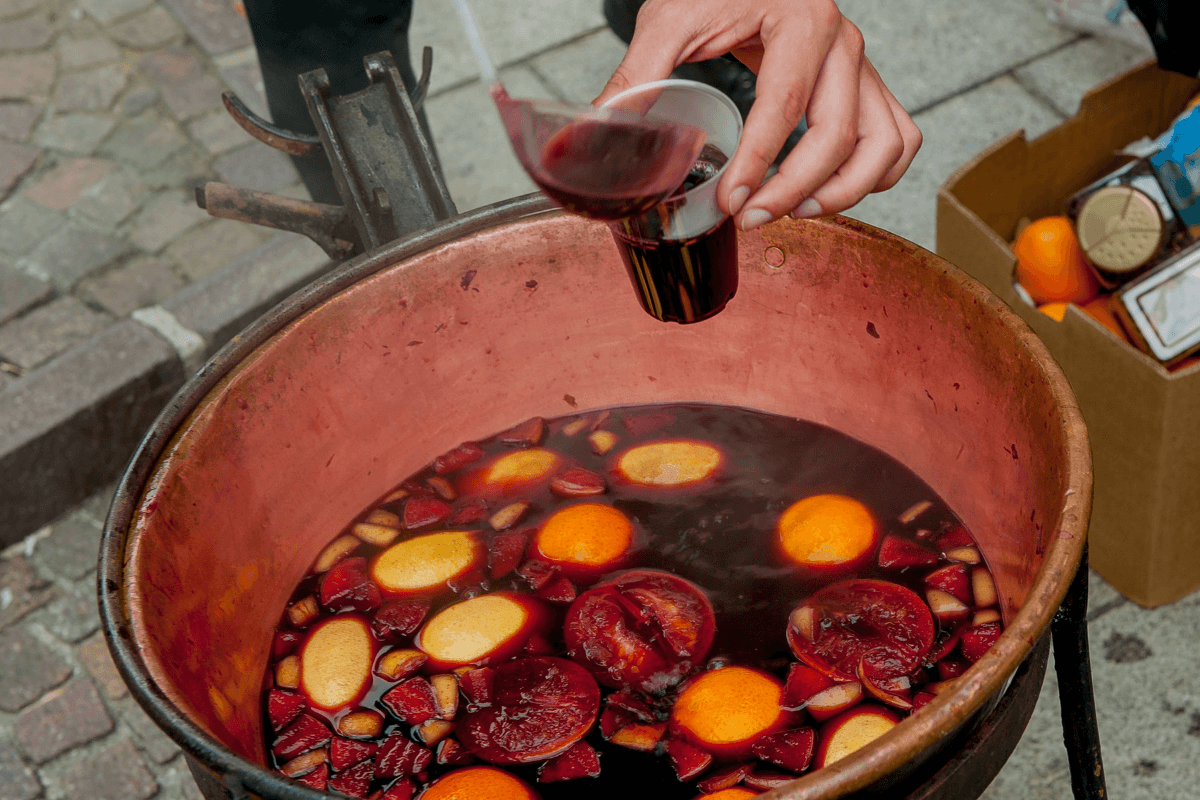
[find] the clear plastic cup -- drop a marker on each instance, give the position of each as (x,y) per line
(682,254)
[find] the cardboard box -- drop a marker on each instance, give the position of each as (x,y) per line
(1142,418)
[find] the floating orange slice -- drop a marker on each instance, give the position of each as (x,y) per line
(669,464)
(724,711)
(733,793)
(586,538)
(335,664)
(828,534)
(513,472)
(423,564)
(479,631)
(478,783)
(851,731)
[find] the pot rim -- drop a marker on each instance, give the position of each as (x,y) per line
(937,719)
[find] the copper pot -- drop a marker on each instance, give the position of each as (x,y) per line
(513,311)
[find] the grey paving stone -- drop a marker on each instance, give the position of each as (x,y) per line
(154,743)
(212,246)
(27,33)
(927,51)
(138,100)
(477,159)
(78,133)
(954,132)
(215,24)
(19,292)
(73,252)
(256,166)
(98,504)
(77,53)
(144,142)
(71,549)
(96,659)
(25,76)
(224,303)
(246,81)
(93,90)
(142,282)
(24,588)
(27,669)
(115,773)
(17,781)
(148,30)
(165,217)
(17,120)
(111,200)
(47,331)
(512,31)
(15,8)
(105,11)
(218,132)
(1063,77)
(65,718)
(15,161)
(185,169)
(60,187)
(579,70)
(23,224)
(70,426)
(180,78)
(73,617)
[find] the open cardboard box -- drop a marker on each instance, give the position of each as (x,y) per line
(1142,418)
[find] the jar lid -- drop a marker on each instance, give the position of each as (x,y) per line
(1120,228)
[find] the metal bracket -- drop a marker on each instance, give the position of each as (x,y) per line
(384,167)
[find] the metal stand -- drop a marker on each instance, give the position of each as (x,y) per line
(1073,666)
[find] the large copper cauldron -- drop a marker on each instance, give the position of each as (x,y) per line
(513,311)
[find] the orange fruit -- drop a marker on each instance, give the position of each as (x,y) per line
(590,536)
(1051,265)
(1055,310)
(1100,309)
(733,793)
(724,711)
(828,534)
(479,783)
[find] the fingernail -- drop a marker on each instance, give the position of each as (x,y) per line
(737,197)
(755,217)
(809,208)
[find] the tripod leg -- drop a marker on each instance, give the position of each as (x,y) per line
(1073,667)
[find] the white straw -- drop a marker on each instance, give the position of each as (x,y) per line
(485,64)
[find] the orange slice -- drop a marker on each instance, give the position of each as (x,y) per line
(585,538)
(725,710)
(480,630)
(851,731)
(828,534)
(671,463)
(478,783)
(423,564)
(514,472)
(335,664)
(733,793)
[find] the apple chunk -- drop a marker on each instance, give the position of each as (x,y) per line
(482,630)
(669,464)
(851,731)
(335,664)
(423,564)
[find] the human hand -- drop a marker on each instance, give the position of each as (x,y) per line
(809,61)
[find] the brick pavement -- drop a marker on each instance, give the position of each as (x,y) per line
(114,287)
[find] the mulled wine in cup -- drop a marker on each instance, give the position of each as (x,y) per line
(681,255)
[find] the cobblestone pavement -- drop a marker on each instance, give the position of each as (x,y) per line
(114,287)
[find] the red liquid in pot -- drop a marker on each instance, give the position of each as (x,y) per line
(717,532)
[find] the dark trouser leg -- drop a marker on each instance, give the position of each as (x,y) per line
(297,36)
